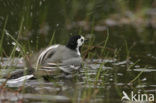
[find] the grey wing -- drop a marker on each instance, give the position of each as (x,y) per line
(73,61)
(48,55)
(45,54)
(71,65)
(68,66)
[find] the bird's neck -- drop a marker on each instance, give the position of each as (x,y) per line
(70,46)
(78,51)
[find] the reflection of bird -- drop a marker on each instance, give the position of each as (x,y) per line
(67,58)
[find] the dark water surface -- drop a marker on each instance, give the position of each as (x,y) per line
(128,62)
(86,86)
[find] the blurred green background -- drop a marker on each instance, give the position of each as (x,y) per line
(128,21)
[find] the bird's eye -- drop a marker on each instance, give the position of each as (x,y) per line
(81,40)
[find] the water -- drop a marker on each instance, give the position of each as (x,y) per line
(110,84)
(128,62)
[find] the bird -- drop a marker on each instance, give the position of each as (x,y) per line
(65,58)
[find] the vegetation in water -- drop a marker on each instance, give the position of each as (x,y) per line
(119,56)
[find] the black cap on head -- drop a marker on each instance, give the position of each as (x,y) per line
(72,43)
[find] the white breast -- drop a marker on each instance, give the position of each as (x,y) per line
(78,52)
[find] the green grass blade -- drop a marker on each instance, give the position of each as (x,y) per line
(2,37)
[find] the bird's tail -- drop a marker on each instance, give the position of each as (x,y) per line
(20,75)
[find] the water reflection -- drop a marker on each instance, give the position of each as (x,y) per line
(63,89)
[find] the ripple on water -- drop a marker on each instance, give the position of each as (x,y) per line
(88,75)
(144,70)
(141,86)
